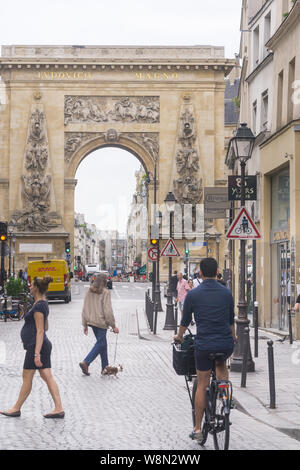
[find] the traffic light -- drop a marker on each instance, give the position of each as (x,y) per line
(3,231)
(186,250)
(154,241)
(67,247)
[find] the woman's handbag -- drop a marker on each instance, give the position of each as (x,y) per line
(183,356)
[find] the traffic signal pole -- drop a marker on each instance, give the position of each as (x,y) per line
(2,270)
(3,238)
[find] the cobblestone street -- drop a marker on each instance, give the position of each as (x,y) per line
(147,407)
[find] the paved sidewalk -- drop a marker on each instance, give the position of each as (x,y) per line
(254,400)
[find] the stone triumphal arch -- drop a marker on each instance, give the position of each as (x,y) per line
(59,103)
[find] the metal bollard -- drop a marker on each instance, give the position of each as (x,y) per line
(290,325)
(176,317)
(155,317)
(245,358)
(255,324)
(271,375)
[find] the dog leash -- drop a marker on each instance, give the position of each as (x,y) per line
(116,348)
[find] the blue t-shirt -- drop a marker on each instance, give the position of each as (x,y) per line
(213,308)
(28,332)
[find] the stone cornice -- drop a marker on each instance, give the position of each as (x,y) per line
(259,67)
(286,26)
(210,64)
(114,52)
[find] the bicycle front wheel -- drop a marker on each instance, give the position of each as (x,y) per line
(221,432)
(205,422)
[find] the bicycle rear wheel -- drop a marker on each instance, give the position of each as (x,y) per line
(221,432)
(205,422)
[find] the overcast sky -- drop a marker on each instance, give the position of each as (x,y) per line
(118,22)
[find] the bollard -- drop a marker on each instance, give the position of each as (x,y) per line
(271,375)
(176,317)
(245,358)
(5,308)
(255,324)
(155,317)
(290,325)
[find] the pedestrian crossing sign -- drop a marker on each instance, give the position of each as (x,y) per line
(170,249)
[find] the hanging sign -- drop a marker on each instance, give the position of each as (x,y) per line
(234,188)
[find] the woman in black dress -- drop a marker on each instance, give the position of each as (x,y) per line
(38,350)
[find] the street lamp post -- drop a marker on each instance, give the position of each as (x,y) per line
(242,146)
(170,202)
(206,238)
(14,249)
(10,230)
(218,240)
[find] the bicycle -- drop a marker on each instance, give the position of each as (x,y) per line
(218,405)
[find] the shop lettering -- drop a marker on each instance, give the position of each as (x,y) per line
(278,236)
(64,75)
(156,76)
(46,269)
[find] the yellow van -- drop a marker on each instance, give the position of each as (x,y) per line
(60,288)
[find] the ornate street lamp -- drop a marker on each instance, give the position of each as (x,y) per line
(170,202)
(10,230)
(241,148)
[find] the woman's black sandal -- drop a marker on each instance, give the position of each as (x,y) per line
(55,415)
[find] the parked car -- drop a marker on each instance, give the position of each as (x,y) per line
(109,278)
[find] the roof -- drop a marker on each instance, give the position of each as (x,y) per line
(231,110)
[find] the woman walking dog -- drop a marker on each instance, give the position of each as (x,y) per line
(97,313)
(38,350)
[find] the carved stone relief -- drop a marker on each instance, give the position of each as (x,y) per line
(188,183)
(148,140)
(36,179)
(112,109)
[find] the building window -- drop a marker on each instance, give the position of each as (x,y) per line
(256,47)
(279,99)
(254,116)
(291,90)
(267,32)
(280,194)
(264,110)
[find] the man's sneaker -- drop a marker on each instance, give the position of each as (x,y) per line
(196,436)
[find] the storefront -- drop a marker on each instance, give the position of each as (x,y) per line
(278,259)
(280,249)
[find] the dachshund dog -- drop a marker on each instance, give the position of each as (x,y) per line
(111,370)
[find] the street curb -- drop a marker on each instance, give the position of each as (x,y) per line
(251,406)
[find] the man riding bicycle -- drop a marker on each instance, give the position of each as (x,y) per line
(213,308)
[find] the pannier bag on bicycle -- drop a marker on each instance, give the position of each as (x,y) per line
(183,356)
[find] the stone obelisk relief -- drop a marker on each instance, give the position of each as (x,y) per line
(188,181)
(37,195)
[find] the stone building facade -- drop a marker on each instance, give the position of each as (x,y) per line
(269,103)
(63,102)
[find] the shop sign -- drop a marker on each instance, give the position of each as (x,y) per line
(234,188)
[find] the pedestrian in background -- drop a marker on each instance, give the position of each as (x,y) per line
(182,289)
(38,350)
(191,283)
(221,280)
(197,280)
(174,282)
(97,313)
